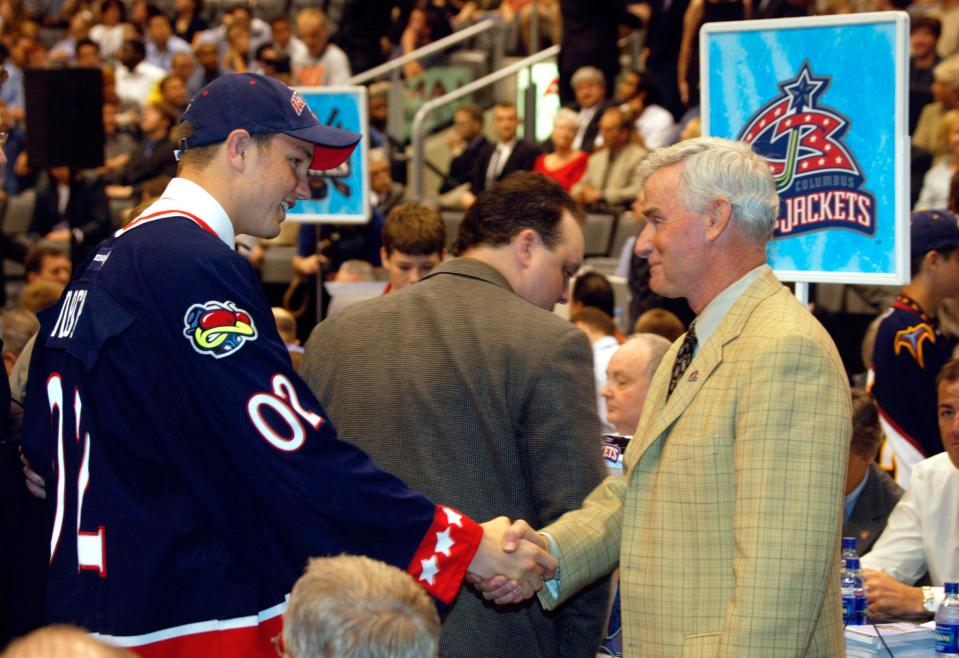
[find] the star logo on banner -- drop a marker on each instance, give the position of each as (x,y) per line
(429,569)
(803,89)
(453,518)
(444,542)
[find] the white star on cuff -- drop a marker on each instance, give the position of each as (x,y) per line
(429,569)
(444,542)
(453,518)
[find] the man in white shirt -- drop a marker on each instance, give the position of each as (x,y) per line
(922,533)
(162,44)
(324,63)
(135,76)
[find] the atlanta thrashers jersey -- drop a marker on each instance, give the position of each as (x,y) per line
(910,351)
(190,472)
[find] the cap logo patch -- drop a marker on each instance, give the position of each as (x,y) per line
(297,102)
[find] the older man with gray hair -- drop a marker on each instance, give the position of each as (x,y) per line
(351,606)
(726,524)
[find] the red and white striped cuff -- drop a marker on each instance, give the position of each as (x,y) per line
(447,549)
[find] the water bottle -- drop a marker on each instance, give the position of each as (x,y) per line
(848,548)
(947,622)
(853,594)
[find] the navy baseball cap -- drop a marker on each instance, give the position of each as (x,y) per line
(262,105)
(933,230)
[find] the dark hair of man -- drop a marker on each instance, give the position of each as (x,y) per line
(594,319)
(280,18)
(930,23)
(87,42)
(649,84)
(472,109)
(866,433)
(33,261)
(518,201)
(258,55)
(137,46)
(414,230)
(153,11)
(949,373)
(106,4)
(594,290)
(242,7)
(506,105)
(915,262)
(199,157)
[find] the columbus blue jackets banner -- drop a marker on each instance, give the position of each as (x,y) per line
(823,100)
(339,195)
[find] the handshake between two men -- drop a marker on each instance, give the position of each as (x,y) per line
(511,563)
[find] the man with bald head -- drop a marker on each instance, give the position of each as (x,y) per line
(628,375)
(62,641)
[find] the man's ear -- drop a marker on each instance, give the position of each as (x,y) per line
(718,215)
(523,244)
(238,143)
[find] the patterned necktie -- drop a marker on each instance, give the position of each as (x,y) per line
(683,358)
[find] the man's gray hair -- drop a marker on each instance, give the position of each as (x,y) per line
(587,74)
(947,71)
(714,168)
(355,607)
(655,347)
(19,324)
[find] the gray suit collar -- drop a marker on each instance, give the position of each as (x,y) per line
(472,268)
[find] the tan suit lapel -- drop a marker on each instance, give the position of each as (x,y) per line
(659,413)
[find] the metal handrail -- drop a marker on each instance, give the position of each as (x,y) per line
(394,67)
(429,49)
(416,132)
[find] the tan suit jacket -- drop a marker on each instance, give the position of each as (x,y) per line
(726,525)
(617,182)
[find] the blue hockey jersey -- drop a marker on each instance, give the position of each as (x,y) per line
(191,473)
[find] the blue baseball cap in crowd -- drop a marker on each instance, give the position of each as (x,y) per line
(262,105)
(933,230)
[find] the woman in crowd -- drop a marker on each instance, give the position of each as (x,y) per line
(565,164)
(935,186)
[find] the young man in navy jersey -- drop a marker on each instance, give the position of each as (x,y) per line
(190,472)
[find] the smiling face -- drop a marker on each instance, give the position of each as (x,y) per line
(674,238)
(276,177)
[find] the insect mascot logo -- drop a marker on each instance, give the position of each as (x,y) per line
(819,182)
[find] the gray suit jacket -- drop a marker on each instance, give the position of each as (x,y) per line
(876,501)
(485,402)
